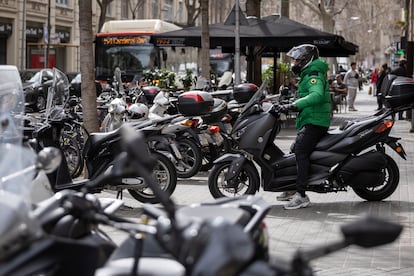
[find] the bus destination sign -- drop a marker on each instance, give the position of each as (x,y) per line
(125,40)
(170,41)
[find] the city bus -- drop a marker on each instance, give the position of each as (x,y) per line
(126,44)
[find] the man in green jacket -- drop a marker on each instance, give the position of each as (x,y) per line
(314,115)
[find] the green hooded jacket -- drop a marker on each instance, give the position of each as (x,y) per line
(314,103)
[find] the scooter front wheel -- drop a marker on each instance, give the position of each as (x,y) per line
(164,174)
(246,182)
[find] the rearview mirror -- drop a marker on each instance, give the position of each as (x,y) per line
(370,232)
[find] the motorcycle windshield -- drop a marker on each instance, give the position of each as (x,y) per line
(58,93)
(14,158)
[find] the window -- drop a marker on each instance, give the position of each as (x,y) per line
(180,14)
(62,2)
(168,10)
(124,8)
(110,10)
(155,7)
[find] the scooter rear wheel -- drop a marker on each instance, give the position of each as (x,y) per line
(246,182)
(191,158)
(383,190)
(164,174)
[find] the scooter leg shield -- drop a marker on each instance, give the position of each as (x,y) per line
(235,167)
(237,161)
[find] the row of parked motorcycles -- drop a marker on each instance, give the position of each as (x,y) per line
(231,132)
(61,235)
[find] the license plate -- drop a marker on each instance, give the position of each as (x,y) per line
(218,139)
(203,140)
(228,127)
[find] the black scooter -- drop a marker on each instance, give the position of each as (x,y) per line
(99,154)
(353,156)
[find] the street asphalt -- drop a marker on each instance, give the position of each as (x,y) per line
(319,224)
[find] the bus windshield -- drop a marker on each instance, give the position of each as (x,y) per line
(126,44)
(221,63)
(131,58)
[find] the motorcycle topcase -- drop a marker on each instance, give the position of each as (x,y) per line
(217,113)
(400,92)
(195,103)
(150,92)
(243,92)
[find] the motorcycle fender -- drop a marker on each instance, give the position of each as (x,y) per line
(237,161)
(392,142)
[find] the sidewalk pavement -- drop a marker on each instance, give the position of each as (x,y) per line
(320,223)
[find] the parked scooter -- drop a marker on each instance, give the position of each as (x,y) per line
(353,157)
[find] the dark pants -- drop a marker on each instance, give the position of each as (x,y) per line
(305,143)
(379,101)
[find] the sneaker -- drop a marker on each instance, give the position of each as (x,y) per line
(297,202)
(352,109)
(286,196)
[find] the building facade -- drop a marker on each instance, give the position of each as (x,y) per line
(25,38)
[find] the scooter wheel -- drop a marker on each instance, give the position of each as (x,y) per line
(191,158)
(164,174)
(246,182)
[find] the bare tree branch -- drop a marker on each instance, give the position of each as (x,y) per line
(103,4)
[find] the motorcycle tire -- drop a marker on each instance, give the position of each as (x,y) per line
(247,181)
(73,154)
(191,158)
(164,173)
(380,192)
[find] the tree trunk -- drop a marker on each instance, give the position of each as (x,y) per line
(192,12)
(90,118)
(205,40)
(135,7)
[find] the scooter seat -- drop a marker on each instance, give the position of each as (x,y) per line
(149,122)
(334,136)
(97,138)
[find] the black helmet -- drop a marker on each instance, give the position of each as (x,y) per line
(306,53)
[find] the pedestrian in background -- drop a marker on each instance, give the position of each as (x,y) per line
(401,71)
(384,70)
(340,90)
(374,79)
(352,82)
